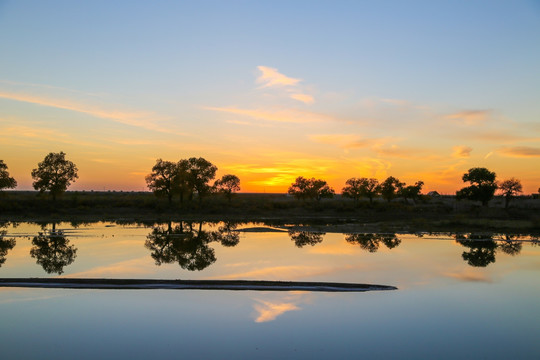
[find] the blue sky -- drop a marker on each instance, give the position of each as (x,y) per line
(273,90)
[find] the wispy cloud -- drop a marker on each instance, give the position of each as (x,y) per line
(268,311)
(469,117)
(285,115)
(306,99)
(285,272)
(139,266)
(143,120)
(346,141)
(461,151)
(520,151)
(19,134)
(272,77)
(469,276)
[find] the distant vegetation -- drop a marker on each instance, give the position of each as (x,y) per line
(192,182)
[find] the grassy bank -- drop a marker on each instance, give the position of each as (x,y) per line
(438,213)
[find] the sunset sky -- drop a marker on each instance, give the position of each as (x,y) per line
(272,90)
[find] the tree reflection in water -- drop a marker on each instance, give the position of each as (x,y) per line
(510,246)
(483,248)
(5,246)
(371,242)
(52,251)
(227,235)
(186,245)
(302,238)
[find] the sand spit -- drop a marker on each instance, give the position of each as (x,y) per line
(143,284)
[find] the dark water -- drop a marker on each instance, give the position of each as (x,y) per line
(464,295)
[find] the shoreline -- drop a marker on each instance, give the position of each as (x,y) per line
(154,284)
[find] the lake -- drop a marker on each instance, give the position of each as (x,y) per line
(459,295)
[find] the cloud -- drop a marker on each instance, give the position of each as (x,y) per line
(290,272)
(461,151)
(469,276)
(397,102)
(345,141)
(272,77)
(469,117)
(520,151)
(306,99)
(403,153)
(496,136)
(22,135)
(137,119)
(285,115)
(139,266)
(488,155)
(268,311)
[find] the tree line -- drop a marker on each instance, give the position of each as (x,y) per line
(191,177)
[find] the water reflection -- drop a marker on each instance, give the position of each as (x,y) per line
(52,250)
(510,245)
(184,244)
(371,242)
(483,247)
(303,238)
(5,246)
(227,235)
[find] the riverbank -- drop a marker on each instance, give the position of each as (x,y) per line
(441,213)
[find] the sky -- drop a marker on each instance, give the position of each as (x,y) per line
(273,90)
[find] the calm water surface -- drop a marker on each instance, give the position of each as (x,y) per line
(459,295)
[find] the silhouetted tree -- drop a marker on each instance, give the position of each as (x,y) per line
(509,189)
(164,179)
(390,187)
(54,174)
(5,246)
(52,251)
(183,180)
(228,184)
(302,238)
(363,187)
(6,181)
(482,186)
(412,191)
(312,188)
(200,173)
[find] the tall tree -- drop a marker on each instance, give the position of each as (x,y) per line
(316,189)
(228,184)
(6,181)
(411,191)
(509,189)
(164,179)
(482,188)
(200,173)
(54,174)
(363,187)
(299,189)
(390,188)
(184,186)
